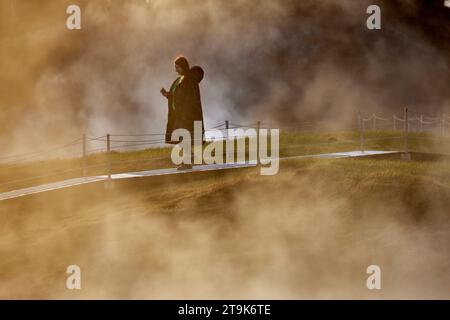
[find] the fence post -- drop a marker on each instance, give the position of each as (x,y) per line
(421,123)
(227,126)
(108,148)
(361,131)
(394,124)
(406,154)
(227,137)
(257,141)
(374,122)
(108,183)
(84,156)
(445,124)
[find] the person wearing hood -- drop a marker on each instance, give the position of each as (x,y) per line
(184,99)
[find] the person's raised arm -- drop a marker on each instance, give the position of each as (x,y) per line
(165,93)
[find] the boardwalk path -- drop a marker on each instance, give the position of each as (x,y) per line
(129,175)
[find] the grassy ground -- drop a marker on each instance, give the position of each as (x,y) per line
(17,175)
(308,232)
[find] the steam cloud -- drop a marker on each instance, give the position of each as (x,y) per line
(306,234)
(264,60)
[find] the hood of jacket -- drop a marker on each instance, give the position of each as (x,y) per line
(196,73)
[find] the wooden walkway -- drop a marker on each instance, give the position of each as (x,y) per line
(159,172)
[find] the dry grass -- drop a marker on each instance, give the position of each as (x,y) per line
(20,175)
(308,232)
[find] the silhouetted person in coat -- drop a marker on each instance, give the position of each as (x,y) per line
(184,101)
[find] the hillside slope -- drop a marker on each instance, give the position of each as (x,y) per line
(308,232)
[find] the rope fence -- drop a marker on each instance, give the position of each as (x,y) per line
(104,145)
(418,123)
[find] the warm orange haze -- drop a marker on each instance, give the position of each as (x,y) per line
(347,102)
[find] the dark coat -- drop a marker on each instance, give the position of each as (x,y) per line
(188,105)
